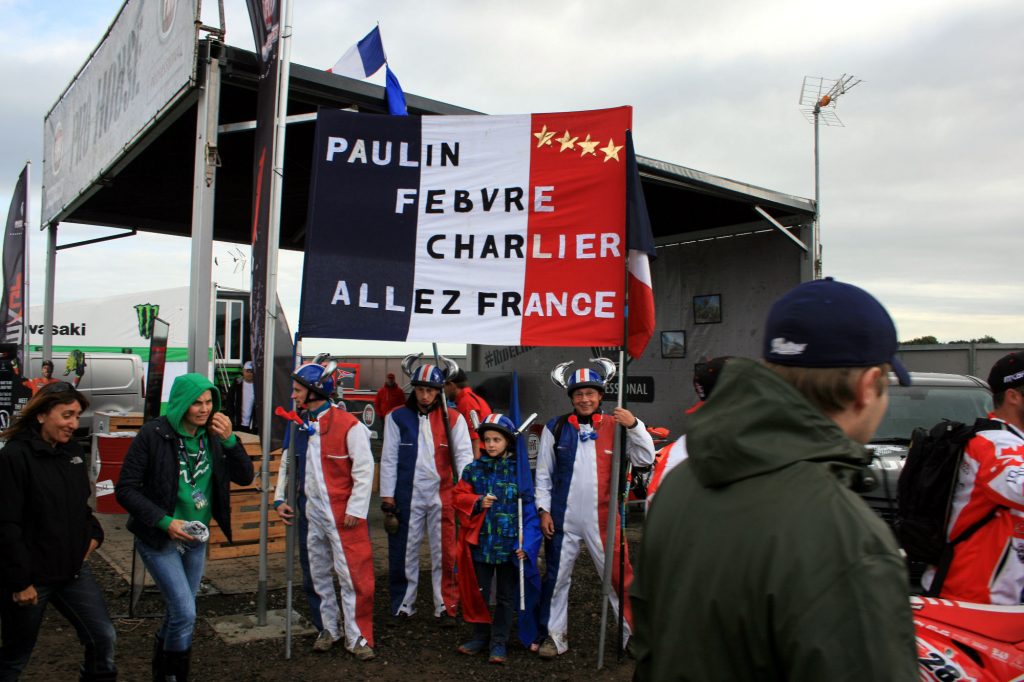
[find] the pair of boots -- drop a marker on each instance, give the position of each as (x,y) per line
(170,666)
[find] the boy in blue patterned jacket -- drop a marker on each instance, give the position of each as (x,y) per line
(486,501)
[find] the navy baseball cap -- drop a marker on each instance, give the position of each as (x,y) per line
(825,323)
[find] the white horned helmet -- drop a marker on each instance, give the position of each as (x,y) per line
(427,374)
(584,377)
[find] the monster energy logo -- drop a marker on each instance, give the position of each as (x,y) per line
(147,313)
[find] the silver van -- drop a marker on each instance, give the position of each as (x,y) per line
(113,382)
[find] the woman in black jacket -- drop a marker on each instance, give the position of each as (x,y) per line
(176,474)
(47,531)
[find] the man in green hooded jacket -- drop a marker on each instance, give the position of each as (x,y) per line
(759,560)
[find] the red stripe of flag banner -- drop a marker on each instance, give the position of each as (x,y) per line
(505,230)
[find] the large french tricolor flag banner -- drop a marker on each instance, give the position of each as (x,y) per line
(502,230)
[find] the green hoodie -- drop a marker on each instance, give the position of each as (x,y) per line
(758,562)
(197,475)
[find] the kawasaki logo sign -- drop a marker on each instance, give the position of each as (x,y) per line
(147,313)
(72,329)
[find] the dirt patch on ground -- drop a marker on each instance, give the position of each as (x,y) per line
(415,648)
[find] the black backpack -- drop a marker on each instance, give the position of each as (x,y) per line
(925,493)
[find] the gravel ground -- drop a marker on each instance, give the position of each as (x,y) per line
(416,648)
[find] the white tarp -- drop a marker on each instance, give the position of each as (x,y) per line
(144,63)
(111,323)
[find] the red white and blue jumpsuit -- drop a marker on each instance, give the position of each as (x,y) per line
(337,482)
(416,470)
(573,484)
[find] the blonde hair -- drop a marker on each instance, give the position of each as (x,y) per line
(830,389)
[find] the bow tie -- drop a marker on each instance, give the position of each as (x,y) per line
(588,435)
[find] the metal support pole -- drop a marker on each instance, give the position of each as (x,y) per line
(270,315)
(51,278)
(204,175)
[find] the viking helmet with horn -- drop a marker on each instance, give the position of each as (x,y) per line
(427,374)
(584,377)
(319,379)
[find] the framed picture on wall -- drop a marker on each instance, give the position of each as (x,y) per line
(707,309)
(673,344)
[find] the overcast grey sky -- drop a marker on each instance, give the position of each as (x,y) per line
(920,192)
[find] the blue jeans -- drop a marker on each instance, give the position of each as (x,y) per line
(507,586)
(80,601)
(178,576)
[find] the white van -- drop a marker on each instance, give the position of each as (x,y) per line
(113,382)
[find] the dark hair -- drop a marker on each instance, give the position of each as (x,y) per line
(48,363)
(48,397)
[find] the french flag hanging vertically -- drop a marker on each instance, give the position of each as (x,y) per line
(504,230)
(640,250)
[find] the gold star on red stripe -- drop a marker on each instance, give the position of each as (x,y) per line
(611,151)
(567,142)
(588,146)
(544,136)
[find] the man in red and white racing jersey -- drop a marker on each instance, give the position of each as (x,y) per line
(988,567)
(705,375)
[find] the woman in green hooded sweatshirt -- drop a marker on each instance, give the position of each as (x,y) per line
(178,470)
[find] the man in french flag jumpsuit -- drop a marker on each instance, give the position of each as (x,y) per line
(426,446)
(572,492)
(337,480)
(988,566)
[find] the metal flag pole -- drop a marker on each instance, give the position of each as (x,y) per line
(270,316)
(613,493)
(289,469)
(288,465)
(613,509)
(522,560)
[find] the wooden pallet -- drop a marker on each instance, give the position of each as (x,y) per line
(114,422)
(257,463)
(245,522)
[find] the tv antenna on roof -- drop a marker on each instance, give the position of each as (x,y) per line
(237,257)
(818,104)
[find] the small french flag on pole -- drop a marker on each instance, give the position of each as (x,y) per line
(363,59)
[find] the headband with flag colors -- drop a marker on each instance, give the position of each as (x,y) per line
(585,378)
(427,375)
(500,423)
